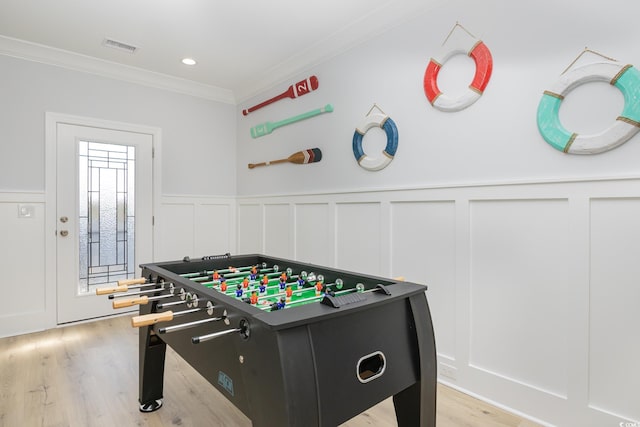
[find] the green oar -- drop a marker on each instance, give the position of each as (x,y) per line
(268,127)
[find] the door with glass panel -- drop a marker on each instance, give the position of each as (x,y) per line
(104,215)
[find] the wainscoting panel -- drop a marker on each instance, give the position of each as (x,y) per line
(518,274)
(195,227)
(176,231)
(358,242)
(23,308)
(313,238)
(215,228)
(423,237)
(532,286)
(614,343)
(278,231)
(250,220)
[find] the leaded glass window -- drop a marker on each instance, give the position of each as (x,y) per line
(106,213)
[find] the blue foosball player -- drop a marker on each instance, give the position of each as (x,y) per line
(239,291)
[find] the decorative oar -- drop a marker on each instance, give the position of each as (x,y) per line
(303,87)
(312,155)
(268,127)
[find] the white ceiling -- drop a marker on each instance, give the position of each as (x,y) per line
(241,46)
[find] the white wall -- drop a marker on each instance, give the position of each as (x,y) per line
(527,252)
(196,214)
(494,140)
(196,133)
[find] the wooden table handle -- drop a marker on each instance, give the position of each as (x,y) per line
(105,291)
(140,281)
(151,319)
(399,279)
(121,303)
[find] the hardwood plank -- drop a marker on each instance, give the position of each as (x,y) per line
(87,375)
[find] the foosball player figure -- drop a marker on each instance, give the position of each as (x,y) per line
(254,298)
(289,293)
(239,290)
(215,275)
(254,273)
(283,282)
(223,285)
(245,283)
(262,289)
(318,288)
(278,305)
(300,283)
(232,269)
(265,280)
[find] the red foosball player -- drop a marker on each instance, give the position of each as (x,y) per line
(289,293)
(215,275)
(245,283)
(223,286)
(265,280)
(254,298)
(318,288)
(254,273)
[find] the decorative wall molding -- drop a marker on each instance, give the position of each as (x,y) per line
(87,64)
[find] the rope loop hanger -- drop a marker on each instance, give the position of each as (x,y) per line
(458,42)
(623,76)
(384,122)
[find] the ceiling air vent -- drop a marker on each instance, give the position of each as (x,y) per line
(119,45)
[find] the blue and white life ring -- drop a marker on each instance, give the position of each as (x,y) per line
(624,77)
(376,163)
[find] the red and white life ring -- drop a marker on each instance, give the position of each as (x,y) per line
(465,43)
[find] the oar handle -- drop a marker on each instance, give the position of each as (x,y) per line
(326,109)
(151,319)
(122,303)
(272,162)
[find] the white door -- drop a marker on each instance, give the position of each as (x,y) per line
(104,215)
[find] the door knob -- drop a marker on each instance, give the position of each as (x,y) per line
(64,233)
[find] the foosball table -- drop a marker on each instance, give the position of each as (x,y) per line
(288,343)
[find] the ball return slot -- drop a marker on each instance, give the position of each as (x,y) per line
(371,366)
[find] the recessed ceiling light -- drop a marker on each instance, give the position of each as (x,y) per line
(189,61)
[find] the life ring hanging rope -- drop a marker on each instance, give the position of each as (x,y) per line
(384,122)
(623,76)
(458,42)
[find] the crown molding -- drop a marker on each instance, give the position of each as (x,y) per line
(62,58)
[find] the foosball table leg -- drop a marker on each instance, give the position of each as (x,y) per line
(416,405)
(152,353)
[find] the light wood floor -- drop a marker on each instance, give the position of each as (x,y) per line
(86,375)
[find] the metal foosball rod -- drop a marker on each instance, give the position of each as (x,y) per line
(143,299)
(231,271)
(148,291)
(187,325)
(189,299)
(125,285)
(203,338)
(206,272)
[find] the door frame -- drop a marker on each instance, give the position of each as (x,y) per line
(52,120)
